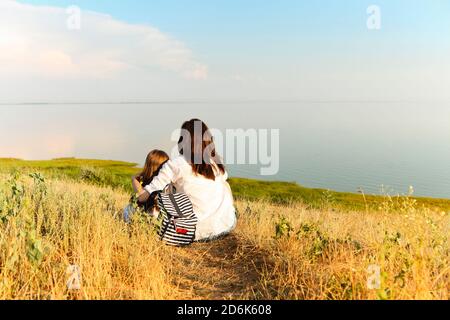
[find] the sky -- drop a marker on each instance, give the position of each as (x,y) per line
(349,99)
(177,50)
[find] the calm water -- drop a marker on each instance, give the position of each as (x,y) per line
(341,146)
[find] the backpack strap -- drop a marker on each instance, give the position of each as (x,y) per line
(175,205)
(169,189)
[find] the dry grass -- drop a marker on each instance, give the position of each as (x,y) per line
(326,254)
(277,252)
(69,224)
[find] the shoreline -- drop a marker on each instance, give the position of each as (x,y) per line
(116,173)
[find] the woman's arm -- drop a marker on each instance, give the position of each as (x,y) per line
(135,181)
(167,174)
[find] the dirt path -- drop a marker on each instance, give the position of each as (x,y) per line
(229,268)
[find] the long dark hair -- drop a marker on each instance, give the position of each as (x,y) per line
(196,144)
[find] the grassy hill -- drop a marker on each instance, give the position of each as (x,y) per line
(317,245)
(117,174)
(99,172)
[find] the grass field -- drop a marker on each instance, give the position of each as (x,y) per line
(117,174)
(316,245)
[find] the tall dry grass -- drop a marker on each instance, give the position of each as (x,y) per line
(329,254)
(46,226)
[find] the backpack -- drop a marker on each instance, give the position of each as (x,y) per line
(176,220)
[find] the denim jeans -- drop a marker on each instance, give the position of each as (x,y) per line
(127,212)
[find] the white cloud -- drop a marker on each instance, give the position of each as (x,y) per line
(35,41)
(41,59)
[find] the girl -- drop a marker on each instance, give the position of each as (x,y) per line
(199,173)
(153,163)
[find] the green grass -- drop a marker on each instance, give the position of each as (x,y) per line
(117,175)
(100,172)
(286,192)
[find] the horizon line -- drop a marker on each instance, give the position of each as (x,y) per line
(233,101)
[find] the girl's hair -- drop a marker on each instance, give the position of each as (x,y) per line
(196,144)
(153,163)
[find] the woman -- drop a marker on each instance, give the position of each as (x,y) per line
(199,173)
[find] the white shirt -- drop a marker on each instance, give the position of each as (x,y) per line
(212,200)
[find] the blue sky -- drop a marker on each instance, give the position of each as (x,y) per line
(238,19)
(215,28)
(276,47)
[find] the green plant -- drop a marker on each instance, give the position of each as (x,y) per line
(384,293)
(283,228)
(92,175)
(328,198)
(35,247)
(12,203)
(319,241)
(39,188)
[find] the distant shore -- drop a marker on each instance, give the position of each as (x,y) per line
(117,174)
